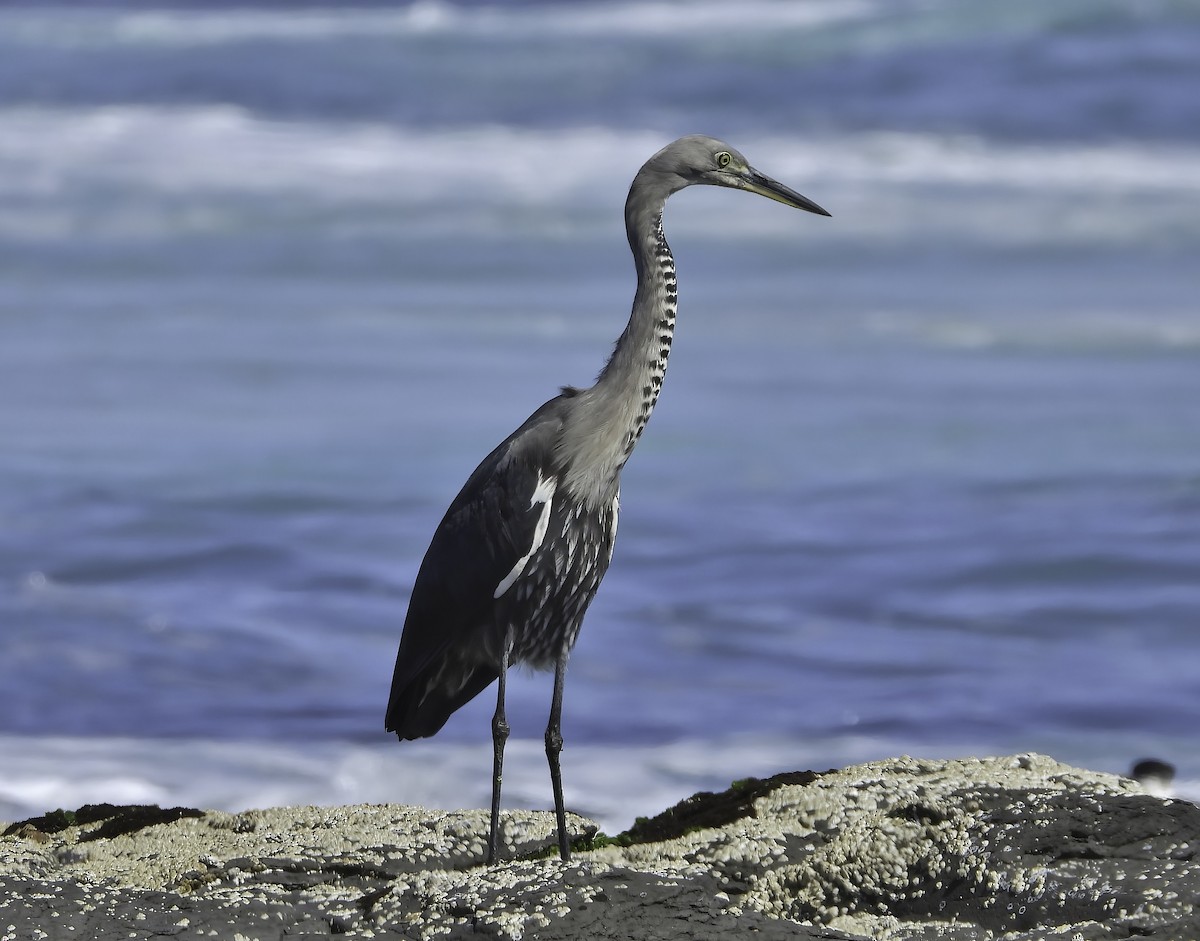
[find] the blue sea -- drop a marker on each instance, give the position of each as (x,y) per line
(924,477)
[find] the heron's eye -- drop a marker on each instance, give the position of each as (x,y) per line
(723,159)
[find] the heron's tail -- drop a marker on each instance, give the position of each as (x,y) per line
(420,705)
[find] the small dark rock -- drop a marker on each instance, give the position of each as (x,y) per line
(117,819)
(706,809)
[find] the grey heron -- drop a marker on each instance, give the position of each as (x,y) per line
(519,555)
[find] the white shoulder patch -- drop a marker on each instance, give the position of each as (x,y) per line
(543,493)
(616,511)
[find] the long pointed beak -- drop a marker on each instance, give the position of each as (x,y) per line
(754,182)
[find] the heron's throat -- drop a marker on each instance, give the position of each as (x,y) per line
(613,413)
(652,339)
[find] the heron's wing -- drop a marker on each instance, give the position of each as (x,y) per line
(446,656)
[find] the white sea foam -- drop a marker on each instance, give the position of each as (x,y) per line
(611,784)
(227,148)
(187,28)
(1086,330)
(908,158)
(204,168)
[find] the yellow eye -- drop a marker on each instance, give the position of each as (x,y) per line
(723,159)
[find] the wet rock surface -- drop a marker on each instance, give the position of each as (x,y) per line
(1019,848)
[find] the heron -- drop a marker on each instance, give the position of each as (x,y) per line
(517,559)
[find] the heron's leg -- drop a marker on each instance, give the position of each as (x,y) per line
(499,737)
(554,743)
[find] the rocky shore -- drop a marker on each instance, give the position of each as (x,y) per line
(1018,847)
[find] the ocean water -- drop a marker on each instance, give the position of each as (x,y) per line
(924,477)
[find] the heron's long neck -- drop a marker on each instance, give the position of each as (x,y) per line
(610,416)
(634,375)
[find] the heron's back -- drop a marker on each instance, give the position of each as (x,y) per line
(544,607)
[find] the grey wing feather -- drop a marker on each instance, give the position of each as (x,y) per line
(444,659)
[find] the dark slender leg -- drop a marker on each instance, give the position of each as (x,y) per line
(554,743)
(499,737)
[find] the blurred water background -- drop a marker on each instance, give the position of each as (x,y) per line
(925,476)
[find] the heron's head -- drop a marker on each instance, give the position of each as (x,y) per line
(699,159)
